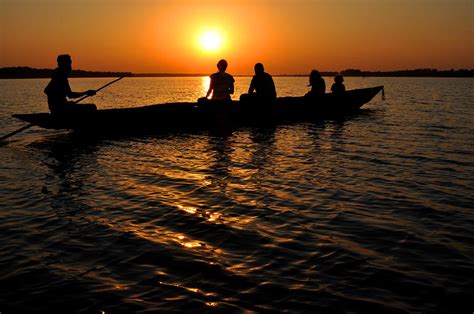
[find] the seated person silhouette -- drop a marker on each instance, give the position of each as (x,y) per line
(318,86)
(262,83)
(338,87)
(222,84)
(58,90)
(264,87)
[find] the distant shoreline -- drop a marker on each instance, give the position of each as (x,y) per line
(28,73)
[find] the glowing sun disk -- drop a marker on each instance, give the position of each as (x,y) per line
(210,41)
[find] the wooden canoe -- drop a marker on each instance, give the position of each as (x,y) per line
(188,115)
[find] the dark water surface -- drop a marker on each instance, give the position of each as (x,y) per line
(372,213)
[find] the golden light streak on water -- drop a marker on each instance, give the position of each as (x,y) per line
(182,285)
(163,236)
(120,287)
(205,80)
(188,209)
(183,241)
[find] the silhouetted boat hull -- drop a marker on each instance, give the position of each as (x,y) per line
(189,116)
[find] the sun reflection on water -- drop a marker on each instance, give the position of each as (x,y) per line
(162,236)
(190,289)
(182,240)
(120,287)
(205,80)
(199,212)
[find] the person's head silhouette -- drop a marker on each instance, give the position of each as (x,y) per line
(313,77)
(339,79)
(64,63)
(259,68)
(222,65)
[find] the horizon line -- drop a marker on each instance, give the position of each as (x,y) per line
(346,72)
(322,71)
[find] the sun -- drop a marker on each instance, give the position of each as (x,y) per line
(210,41)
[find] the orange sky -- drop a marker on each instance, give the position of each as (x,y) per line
(288,36)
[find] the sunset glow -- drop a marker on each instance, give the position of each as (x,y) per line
(210,41)
(289,37)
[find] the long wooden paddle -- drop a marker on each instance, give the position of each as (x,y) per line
(23,128)
(15,132)
(84,97)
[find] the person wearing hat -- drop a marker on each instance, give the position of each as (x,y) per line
(318,86)
(58,90)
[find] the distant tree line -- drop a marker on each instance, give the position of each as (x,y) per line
(27,72)
(412,73)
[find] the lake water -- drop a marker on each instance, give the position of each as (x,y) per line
(372,213)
